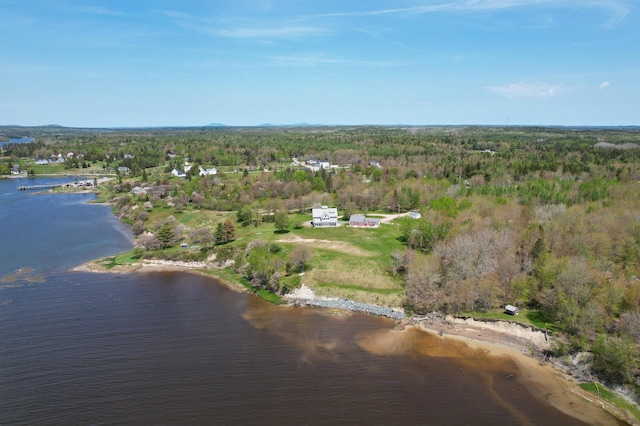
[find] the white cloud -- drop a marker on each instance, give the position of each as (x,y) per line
(99,10)
(270,33)
(251,30)
(320,59)
(530,90)
(617,9)
(604,85)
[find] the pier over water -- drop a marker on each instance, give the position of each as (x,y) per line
(41,187)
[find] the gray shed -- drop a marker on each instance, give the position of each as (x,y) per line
(511,310)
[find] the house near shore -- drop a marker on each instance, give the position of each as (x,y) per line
(325,217)
(361,221)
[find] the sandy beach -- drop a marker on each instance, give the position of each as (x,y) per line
(544,381)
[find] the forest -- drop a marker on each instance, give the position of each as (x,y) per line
(546,219)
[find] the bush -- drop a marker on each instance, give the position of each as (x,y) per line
(615,360)
(137,253)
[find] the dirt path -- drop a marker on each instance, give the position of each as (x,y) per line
(340,246)
(388,218)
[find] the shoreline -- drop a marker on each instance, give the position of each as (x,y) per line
(538,376)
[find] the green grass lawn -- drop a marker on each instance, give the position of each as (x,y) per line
(118,260)
(604,393)
(526,316)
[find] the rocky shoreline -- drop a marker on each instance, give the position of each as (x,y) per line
(304,296)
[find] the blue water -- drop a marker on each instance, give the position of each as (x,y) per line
(18,140)
(54,231)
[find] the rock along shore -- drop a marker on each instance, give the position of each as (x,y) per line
(304,296)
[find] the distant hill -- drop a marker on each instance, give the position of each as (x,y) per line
(216,125)
(289,125)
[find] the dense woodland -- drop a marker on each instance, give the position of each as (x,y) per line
(547,219)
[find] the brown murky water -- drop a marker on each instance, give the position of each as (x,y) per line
(171,348)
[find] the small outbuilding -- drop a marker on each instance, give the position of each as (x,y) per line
(511,310)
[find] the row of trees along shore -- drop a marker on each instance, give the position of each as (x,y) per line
(547,219)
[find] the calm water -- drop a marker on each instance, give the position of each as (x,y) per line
(172,348)
(19,140)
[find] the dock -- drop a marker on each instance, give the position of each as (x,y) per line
(40,187)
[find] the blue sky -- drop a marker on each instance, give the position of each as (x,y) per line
(128,63)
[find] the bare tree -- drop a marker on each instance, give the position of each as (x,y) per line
(298,257)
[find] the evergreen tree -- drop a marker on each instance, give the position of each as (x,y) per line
(220,237)
(229,231)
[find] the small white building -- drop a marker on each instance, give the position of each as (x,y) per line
(414,215)
(325,217)
(207,172)
(178,173)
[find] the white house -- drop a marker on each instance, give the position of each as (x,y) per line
(207,172)
(178,173)
(325,217)
(315,165)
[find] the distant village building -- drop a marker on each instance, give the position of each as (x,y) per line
(361,221)
(178,173)
(207,172)
(123,170)
(325,217)
(316,165)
